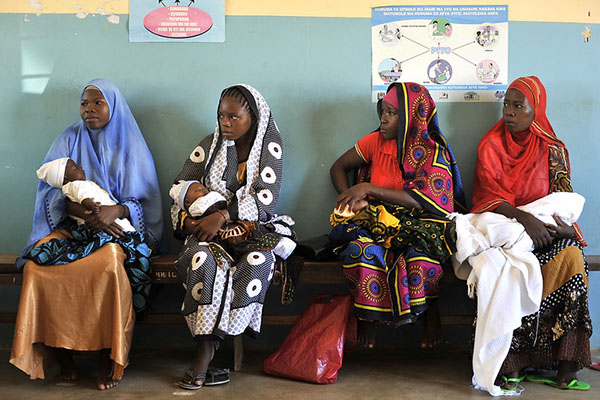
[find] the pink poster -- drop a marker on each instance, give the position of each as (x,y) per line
(171,20)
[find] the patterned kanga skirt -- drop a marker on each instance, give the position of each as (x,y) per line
(392,258)
(562,327)
(225,296)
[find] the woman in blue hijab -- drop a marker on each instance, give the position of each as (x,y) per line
(86,305)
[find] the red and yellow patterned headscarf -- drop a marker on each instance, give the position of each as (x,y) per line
(427,163)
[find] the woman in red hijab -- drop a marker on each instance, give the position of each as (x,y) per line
(521,160)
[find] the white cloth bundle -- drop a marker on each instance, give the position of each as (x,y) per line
(201,204)
(77,191)
(494,254)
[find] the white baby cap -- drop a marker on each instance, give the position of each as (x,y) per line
(53,172)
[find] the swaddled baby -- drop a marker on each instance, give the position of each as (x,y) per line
(195,199)
(65,174)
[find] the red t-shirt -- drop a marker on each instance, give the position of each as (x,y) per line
(382,156)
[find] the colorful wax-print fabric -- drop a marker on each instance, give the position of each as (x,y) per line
(562,327)
(59,251)
(392,260)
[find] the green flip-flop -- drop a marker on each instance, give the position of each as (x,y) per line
(515,380)
(575,384)
(539,379)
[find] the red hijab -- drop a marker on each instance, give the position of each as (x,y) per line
(515,168)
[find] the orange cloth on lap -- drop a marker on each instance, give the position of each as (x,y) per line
(84,305)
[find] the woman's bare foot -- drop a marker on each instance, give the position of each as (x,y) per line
(105,371)
(566,372)
(432,331)
(68,372)
(205,351)
(365,333)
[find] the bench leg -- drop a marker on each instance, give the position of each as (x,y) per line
(238,353)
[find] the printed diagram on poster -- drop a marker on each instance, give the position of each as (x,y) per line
(460,53)
(176,20)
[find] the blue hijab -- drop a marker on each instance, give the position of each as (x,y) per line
(117,158)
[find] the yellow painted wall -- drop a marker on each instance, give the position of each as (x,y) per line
(519,10)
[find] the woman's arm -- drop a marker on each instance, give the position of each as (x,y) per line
(77,209)
(350,195)
(400,197)
(206,228)
(347,162)
(104,220)
(536,229)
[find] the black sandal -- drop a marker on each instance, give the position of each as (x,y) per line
(192,386)
(216,376)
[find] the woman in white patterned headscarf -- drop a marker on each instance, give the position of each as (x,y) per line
(226,285)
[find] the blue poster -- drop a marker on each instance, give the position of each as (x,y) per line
(176,20)
(460,53)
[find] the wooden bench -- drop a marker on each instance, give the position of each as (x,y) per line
(312,273)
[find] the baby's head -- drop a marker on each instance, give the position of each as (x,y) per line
(73,172)
(61,171)
(184,193)
(194,192)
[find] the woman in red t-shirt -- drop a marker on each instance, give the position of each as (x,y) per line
(393,269)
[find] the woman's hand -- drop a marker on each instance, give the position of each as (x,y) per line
(104,219)
(561,230)
(536,229)
(190,226)
(352,195)
(114,229)
(206,228)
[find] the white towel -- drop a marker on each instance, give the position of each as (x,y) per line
(494,254)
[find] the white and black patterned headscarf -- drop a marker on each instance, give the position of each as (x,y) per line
(214,163)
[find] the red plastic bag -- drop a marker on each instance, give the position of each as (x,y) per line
(314,348)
